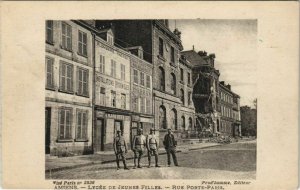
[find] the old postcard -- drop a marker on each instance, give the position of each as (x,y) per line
(150,95)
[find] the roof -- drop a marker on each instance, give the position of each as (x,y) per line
(194,58)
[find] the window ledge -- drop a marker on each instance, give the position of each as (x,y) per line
(50,43)
(83,95)
(64,140)
(67,92)
(81,140)
(173,64)
(52,88)
(161,58)
(64,48)
(85,56)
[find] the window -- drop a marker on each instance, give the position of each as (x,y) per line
(65,124)
(102,96)
(66,36)
(162,117)
(49,71)
(135,76)
(161,79)
(148,81)
(182,95)
(173,83)
(135,103)
(123,101)
(174,119)
(82,43)
(172,58)
(113,68)
(183,123)
(161,47)
(122,72)
(82,123)
(83,85)
(148,106)
(189,98)
(66,77)
(102,64)
(190,123)
(142,82)
(142,105)
(113,98)
(49,31)
(189,78)
(181,74)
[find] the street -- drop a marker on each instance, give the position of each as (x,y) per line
(230,161)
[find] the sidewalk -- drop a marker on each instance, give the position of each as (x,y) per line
(57,164)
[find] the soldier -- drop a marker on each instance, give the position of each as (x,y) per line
(139,143)
(120,148)
(152,148)
(170,146)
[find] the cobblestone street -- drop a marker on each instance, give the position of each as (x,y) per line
(231,161)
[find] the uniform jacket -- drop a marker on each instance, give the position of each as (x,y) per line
(169,140)
(151,142)
(120,144)
(139,142)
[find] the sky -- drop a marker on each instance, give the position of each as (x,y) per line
(234,43)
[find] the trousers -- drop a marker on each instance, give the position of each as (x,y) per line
(121,156)
(172,151)
(138,153)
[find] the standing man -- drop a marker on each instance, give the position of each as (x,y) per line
(152,148)
(139,143)
(120,148)
(170,146)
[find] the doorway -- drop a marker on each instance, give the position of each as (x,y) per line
(47,129)
(99,136)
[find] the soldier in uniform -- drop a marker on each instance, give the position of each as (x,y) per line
(152,148)
(139,143)
(120,148)
(170,146)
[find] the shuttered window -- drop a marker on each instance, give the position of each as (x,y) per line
(148,106)
(148,81)
(142,105)
(142,75)
(82,78)
(82,123)
(102,64)
(65,124)
(66,77)
(49,73)
(122,72)
(66,36)
(49,31)
(102,96)
(135,76)
(123,101)
(113,68)
(82,43)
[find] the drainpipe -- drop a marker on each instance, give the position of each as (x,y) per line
(93,89)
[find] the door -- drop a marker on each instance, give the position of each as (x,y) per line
(47,129)
(99,135)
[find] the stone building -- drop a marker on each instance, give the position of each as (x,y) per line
(68,98)
(112,91)
(141,92)
(162,49)
(205,80)
(230,115)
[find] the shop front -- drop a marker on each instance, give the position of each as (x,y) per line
(106,125)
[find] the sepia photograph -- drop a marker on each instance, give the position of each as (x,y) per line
(150,99)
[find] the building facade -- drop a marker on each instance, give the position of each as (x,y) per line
(205,90)
(112,91)
(68,98)
(162,49)
(230,124)
(141,92)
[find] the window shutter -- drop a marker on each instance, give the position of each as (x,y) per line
(87,82)
(60,76)
(103,57)
(78,80)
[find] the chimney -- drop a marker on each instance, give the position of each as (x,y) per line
(229,86)
(177,33)
(202,53)
(222,83)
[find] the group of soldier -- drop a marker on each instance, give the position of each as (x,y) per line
(140,143)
